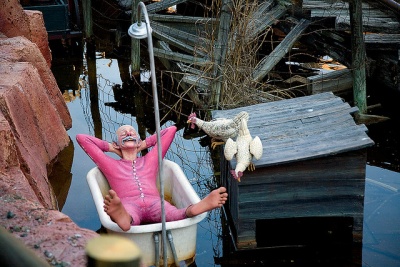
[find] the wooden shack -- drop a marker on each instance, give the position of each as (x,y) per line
(311,174)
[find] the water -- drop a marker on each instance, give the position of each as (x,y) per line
(100,118)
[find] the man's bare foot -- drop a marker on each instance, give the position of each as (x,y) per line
(215,199)
(117,212)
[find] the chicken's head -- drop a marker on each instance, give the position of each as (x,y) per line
(192,120)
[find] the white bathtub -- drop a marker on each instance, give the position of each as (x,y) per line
(177,187)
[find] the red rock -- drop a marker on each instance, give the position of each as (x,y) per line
(15,21)
(33,123)
(50,234)
(41,135)
(39,34)
(20,49)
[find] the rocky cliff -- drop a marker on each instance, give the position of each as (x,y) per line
(34,120)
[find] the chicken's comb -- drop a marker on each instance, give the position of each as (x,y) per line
(192,115)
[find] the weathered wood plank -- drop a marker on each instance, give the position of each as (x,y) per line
(190,69)
(380,41)
(373,19)
(322,206)
(334,126)
(301,128)
(334,81)
(162,5)
(175,56)
(191,25)
(189,39)
(271,113)
(176,68)
(265,108)
(275,129)
(305,172)
(263,18)
(182,19)
(305,188)
(268,62)
(178,43)
(198,81)
(309,150)
(220,49)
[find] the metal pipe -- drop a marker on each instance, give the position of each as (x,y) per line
(171,243)
(142,7)
(157,249)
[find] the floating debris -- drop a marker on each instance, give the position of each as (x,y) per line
(326,59)
(10,215)
(15,229)
(48,254)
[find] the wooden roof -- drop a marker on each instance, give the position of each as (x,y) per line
(303,128)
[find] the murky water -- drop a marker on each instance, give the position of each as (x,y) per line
(99,113)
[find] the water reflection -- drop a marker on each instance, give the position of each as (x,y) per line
(60,175)
(99,105)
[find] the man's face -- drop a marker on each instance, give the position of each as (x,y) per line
(127,137)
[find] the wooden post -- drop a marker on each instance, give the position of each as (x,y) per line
(359,56)
(297,8)
(135,44)
(87,17)
(15,253)
(88,28)
(220,52)
(94,97)
(112,251)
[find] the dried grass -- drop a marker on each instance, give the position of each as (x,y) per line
(235,72)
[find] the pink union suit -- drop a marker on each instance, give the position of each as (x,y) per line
(135,182)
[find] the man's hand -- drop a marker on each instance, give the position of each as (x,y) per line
(114,148)
(142,145)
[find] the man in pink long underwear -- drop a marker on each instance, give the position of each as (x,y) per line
(134,198)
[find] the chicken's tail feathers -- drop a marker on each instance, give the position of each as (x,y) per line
(241,115)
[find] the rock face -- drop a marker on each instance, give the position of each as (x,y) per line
(34,120)
(14,21)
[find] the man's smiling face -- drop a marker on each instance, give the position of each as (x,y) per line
(127,137)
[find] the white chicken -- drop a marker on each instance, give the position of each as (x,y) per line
(245,148)
(219,129)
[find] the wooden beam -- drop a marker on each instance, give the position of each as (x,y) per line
(198,81)
(268,62)
(177,69)
(175,56)
(188,38)
(263,19)
(220,51)
(359,56)
(182,19)
(177,43)
(158,6)
(334,81)
(382,41)
(135,44)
